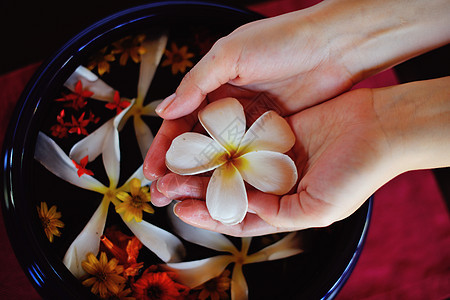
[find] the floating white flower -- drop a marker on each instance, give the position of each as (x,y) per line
(103,92)
(195,273)
(51,156)
(255,156)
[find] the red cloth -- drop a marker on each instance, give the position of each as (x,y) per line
(406,255)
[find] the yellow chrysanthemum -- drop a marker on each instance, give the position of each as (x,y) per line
(105,279)
(178,58)
(50,220)
(131,206)
(101,60)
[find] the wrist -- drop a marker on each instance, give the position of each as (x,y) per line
(370,36)
(415,119)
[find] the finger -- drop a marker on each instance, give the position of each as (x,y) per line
(155,160)
(216,68)
(195,213)
(293,212)
(158,199)
(178,187)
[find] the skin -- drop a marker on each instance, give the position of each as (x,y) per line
(348,143)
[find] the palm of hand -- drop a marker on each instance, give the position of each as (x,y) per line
(335,148)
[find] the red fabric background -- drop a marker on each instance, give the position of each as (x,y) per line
(406,255)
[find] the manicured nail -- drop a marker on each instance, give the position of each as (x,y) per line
(163,105)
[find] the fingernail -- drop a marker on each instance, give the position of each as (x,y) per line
(163,105)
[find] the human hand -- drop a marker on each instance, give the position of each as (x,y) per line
(345,150)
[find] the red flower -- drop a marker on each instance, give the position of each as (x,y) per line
(79,126)
(81,167)
(118,104)
(77,98)
(125,249)
(60,130)
(158,286)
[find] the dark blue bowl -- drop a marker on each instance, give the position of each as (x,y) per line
(318,273)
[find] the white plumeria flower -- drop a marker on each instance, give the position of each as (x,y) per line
(195,273)
(255,156)
(102,91)
(164,244)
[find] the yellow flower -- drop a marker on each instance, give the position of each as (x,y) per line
(101,60)
(178,58)
(105,277)
(215,288)
(50,220)
(129,47)
(131,206)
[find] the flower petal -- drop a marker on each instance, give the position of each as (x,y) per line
(269,172)
(224,120)
(104,140)
(88,241)
(139,174)
(149,62)
(239,288)
(289,245)
(269,132)
(194,273)
(91,82)
(149,109)
(52,157)
(226,197)
(193,153)
(164,244)
(209,239)
(144,135)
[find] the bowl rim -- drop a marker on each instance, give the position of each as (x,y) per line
(45,273)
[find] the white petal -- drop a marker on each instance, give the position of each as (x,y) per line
(224,120)
(111,157)
(139,174)
(92,145)
(270,172)
(149,109)
(144,135)
(52,157)
(90,82)
(209,239)
(194,273)
(286,247)
(88,241)
(193,153)
(149,62)
(269,132)
(239,288)
(226,197)
(164,244)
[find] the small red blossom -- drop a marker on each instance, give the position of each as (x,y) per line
(81,167)
(118,104)
(77,99)
(60,129)
(78,126)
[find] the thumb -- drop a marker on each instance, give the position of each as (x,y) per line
(216,68)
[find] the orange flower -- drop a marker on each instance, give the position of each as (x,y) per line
(129,47)
(158,286)
(101,61)
(178,58)
(50,220)
(215,288)
(105,278)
